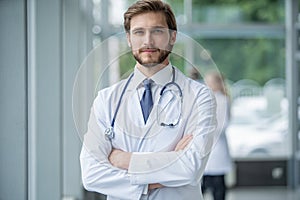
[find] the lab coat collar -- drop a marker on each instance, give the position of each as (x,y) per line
(161,77)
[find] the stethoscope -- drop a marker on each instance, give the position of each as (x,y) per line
(109,132)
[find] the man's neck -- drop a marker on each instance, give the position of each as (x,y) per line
(149,71)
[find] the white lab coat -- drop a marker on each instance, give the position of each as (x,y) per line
(153,159)
(220,162)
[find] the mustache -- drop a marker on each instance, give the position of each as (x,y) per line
(154,48)
(148,49)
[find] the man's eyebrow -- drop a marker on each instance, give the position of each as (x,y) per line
(159,27)
(142,28)
(137,28)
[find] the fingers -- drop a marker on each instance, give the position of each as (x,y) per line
(183,142)
(119,158)
(114,157)
(154,186)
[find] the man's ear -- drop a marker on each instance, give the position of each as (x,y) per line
(173,37)
(128,39)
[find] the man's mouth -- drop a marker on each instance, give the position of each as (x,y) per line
(150,50)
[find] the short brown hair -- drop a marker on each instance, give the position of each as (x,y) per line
(144,6)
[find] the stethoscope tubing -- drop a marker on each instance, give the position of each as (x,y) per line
(109,132)
(120,100)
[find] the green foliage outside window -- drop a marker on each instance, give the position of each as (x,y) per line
(248,11)
(259,59)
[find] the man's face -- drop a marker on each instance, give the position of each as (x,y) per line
(150,39)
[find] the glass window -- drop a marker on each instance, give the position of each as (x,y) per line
(255,69)
(258,59)
(254,65)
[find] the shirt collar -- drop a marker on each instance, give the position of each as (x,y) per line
(161,77)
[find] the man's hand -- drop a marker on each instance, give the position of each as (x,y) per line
(154,186)
(180,146)
(120,159)
(183,142)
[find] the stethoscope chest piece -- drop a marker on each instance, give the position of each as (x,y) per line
(109,133)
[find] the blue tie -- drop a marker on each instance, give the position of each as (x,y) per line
(146,102)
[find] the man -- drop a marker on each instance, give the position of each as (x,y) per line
(149,136)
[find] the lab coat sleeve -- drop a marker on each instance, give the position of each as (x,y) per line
(174,169)
(98,174)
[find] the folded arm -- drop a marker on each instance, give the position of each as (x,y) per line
(121,159)
(97,172)
(176,168)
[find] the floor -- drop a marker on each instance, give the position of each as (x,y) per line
(249,193)
(261,193)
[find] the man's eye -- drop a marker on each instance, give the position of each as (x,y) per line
(158,31)
(138,32)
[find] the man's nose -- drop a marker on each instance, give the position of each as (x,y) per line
(148,38)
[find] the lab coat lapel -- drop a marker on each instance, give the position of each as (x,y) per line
(159,104)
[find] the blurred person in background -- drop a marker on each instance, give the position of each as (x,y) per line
(219,162)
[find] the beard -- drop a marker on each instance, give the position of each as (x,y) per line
(163,54)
